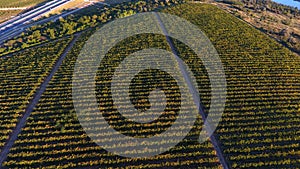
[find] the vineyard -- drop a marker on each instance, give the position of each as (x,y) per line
(18,3)
(21,76)
(54,137)
(7,14)
(259,127)
(4,15)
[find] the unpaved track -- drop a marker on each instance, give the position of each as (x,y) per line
(192,91)
(22,121)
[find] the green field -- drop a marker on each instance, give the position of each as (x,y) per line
(260,126)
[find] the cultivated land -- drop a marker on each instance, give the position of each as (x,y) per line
(7,14)
(21,76)
(260,125)
(18,3)
(259,128)
(4,15)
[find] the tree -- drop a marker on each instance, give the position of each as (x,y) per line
(126,13)
(51,33)
(37,35)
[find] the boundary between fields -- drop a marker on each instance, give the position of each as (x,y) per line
(192,91)
(38,94)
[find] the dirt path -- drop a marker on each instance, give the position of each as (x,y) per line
(193,91)
(22,121)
